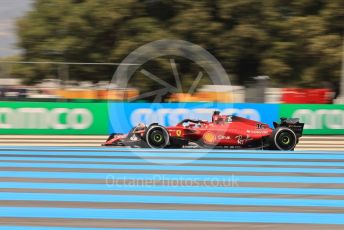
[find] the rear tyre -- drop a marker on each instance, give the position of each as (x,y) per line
(283,138)
(157,137)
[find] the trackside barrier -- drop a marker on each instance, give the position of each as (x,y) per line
(53,118)
(66,118)
(318,119)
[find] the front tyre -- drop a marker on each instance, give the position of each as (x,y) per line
(157,137)
(283,138)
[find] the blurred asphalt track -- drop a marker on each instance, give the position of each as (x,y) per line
(72,188)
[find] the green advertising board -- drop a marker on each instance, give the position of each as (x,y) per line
(53,118)
(318,119)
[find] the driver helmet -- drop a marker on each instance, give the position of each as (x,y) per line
(215,117)
(141,125)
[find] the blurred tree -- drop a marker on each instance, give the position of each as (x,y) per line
(292,41)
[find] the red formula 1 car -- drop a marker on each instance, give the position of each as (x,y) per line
(224,131)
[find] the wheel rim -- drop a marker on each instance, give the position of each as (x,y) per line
(286,140)
(157,138)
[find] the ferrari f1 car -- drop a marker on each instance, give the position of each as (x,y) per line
(224,131)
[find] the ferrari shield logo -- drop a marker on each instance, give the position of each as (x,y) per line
(178,132)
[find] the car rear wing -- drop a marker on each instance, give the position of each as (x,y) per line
(291,123)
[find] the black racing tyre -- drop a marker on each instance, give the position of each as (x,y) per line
(157,137)
(283,138)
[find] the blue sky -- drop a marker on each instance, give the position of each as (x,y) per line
(10,10)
